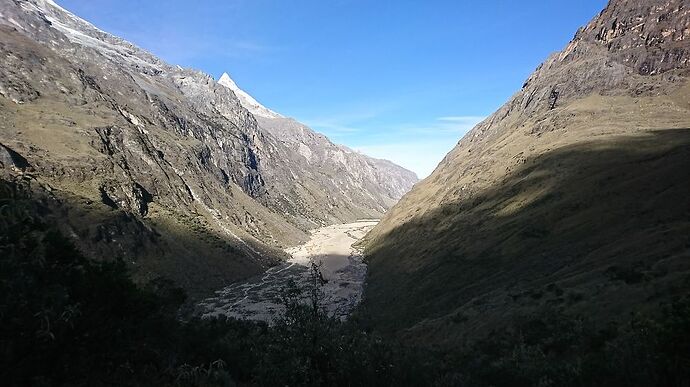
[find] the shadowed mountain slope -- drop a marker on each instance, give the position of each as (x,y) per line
(573,195)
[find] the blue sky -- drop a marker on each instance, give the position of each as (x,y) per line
(402,80)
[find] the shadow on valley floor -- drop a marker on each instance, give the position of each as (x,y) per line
(599,228)
(261,297)
(69,320)
(66,320)
(177,247)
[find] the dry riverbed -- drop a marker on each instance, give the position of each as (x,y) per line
(330,248)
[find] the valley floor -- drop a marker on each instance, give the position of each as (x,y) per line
(330,248)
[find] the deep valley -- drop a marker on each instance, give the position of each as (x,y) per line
(159,226)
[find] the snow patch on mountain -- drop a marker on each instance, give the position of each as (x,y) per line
(247,100)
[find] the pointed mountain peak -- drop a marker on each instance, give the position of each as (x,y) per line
(247,101)
(225,80)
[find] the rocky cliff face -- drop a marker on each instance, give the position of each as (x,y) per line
(138,159)
(315,182)
(579,176)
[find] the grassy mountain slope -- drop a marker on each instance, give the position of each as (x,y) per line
(155,164)
(571,197)
(132,180)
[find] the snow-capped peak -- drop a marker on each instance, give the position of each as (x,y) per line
(247,100)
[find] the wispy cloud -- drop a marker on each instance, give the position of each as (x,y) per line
(421,147)
(244,48)
(331,127)
(417,147)
(460,118)
(179,47)
(350,121)
(456,125)
(420,156)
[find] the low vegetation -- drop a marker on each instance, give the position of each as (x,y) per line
(68,320)
(598,228)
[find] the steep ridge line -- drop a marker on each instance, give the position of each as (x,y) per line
(117,131)
(541,204)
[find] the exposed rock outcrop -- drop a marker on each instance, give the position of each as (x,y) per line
(583,170)
(111,131)
(313,181)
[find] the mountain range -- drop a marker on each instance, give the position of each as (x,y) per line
(148,212)
(180,175)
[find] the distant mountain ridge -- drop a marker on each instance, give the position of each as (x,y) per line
(159,165)
(334,179)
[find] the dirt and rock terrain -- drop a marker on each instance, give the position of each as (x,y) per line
(342,273)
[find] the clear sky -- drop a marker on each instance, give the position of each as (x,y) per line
(402,80)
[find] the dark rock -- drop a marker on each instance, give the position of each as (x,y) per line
(12,159)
